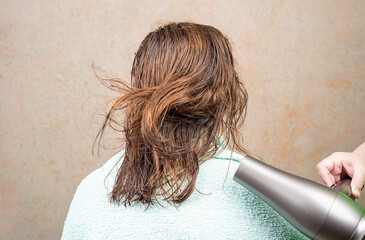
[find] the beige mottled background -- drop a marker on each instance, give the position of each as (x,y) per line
(302,63)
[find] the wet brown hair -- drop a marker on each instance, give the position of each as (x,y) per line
(184,95)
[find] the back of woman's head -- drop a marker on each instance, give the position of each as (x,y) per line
(184,95)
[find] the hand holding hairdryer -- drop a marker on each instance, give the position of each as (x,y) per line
(319,212)
(341,165)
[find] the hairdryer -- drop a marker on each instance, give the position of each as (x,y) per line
(317,211)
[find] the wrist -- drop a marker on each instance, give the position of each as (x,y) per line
(361,154)
(360,150)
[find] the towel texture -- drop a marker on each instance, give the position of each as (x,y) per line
(230,213)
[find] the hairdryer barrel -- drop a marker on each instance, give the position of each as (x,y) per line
(317,211)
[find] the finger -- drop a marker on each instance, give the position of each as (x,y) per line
(351,164)
(325,174)
(357,182)
(336,177)
(331,167)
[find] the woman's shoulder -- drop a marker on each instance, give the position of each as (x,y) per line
(227,154)
(221,161)
(109,168)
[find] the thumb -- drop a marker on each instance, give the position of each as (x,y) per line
(357,182)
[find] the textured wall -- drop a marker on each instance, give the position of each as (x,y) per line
(302,63)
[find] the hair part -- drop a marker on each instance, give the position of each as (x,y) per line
(184,94)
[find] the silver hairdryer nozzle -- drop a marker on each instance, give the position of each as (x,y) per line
(317,211)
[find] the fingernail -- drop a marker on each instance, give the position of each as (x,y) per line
(357,193)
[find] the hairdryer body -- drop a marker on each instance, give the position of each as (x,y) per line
(317,211)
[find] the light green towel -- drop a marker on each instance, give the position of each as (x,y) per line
(234,213)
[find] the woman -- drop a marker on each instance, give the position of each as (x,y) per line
(183,108)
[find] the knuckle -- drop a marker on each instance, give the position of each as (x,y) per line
(319,166)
